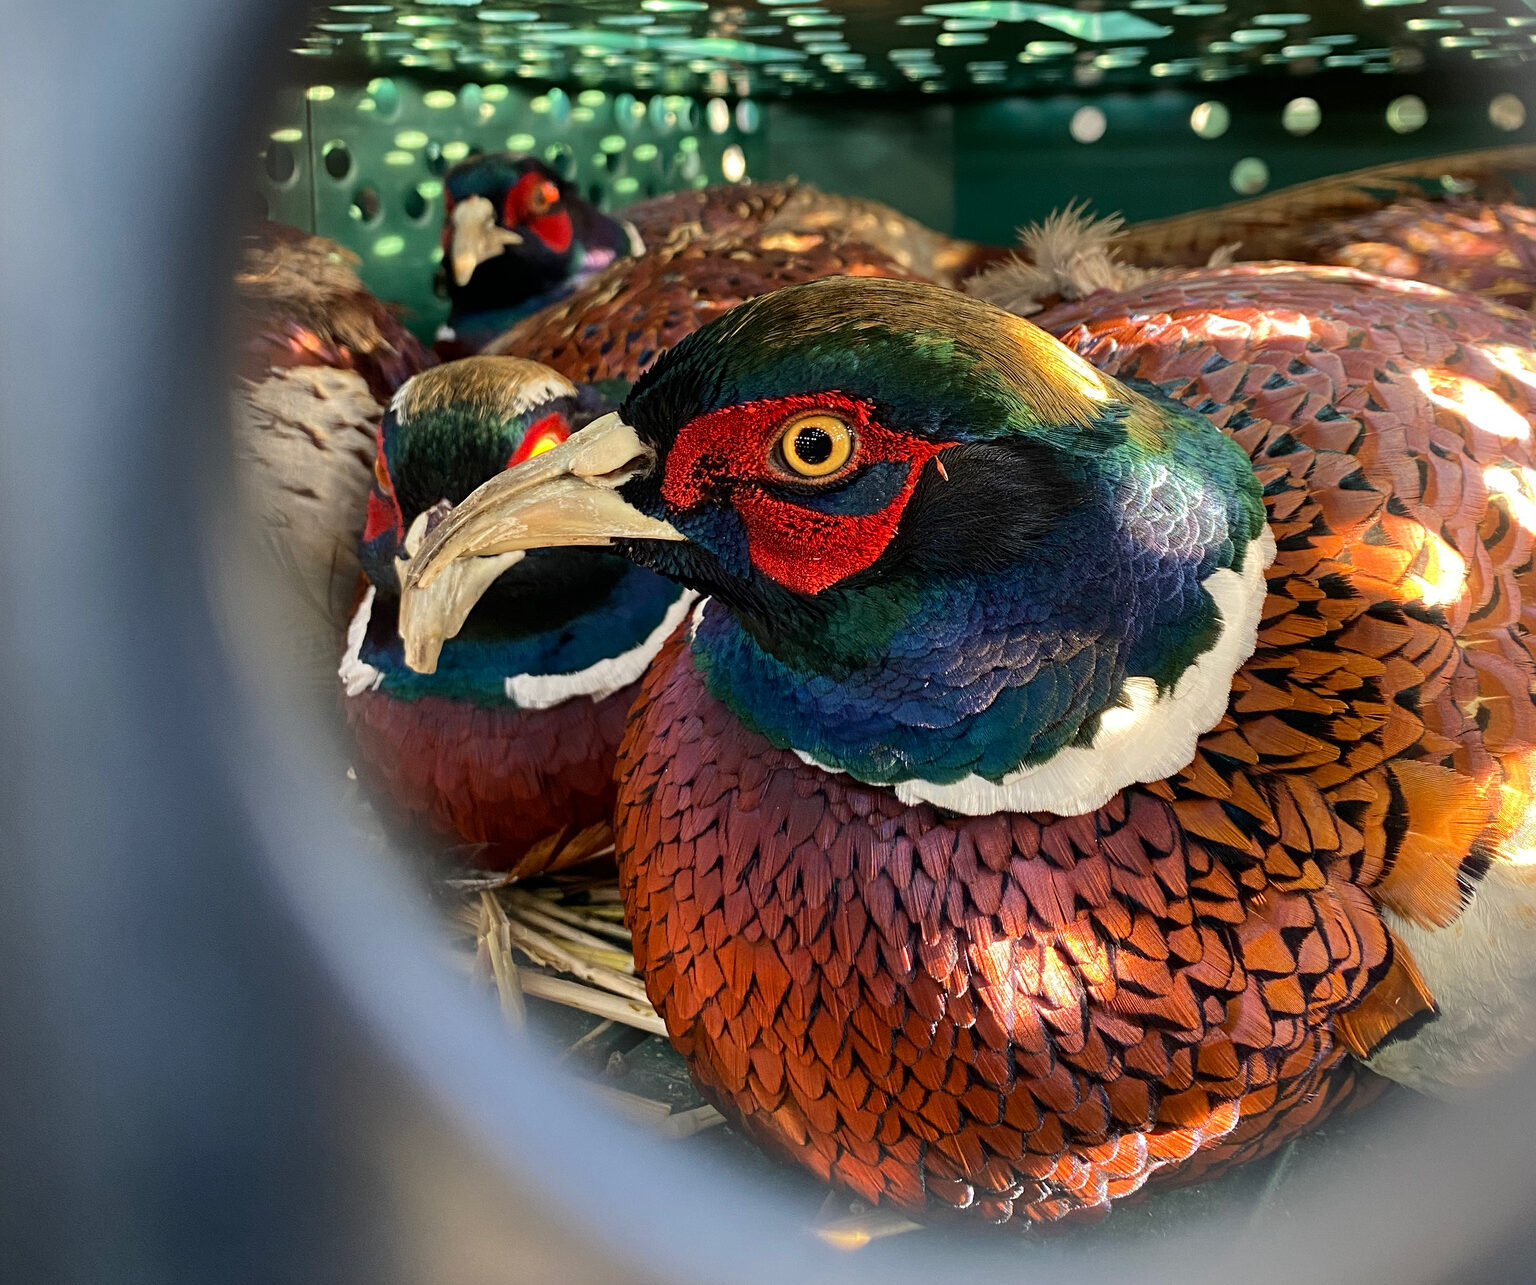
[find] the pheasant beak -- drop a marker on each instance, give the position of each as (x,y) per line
(476,237)
(568,495)
(431,617)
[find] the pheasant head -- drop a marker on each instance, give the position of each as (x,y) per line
(944,554)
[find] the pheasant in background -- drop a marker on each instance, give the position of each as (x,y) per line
(715,248)
(1473,235)
(780,215)
(317,360)
(1078,773)
(517,236)
(1374,219)
(1486,248)
(506,737)
(621,321)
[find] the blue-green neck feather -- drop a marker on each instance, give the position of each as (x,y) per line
(474,666)
(989,670)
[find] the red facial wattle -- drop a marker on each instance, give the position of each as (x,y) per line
(533,203)
(383,508)
(542,435)
(727,457)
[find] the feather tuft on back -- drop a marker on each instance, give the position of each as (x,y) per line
(1068,255)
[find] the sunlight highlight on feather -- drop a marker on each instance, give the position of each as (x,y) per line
(1514,362)
(1294,325)
(1444,578)
(1474,402)
(1517,485)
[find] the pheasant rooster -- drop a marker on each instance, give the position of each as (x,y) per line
(605,333)
(318,360)
(791,213)
(1078,774)
(503,735)
(1453,221)
(517,236)
(1484,247)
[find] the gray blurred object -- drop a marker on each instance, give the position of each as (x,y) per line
(229,1049)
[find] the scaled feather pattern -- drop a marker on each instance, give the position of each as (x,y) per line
(1026,1016)
(617,324)
(1453,221)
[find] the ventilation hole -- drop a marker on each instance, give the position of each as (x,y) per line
(1506,112)
(1088,124)
(1406,114)
(627,113)
(1210,120)
(1301,116)
(718,115)
(281,163)
(386,98)
(595,195)
(685,165)
(437,163)
(1249,175)
(338,160)
(415,205)
(733,164)
(748,116)
(366,207)
(561,159)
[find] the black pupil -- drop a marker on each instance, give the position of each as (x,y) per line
(813,446)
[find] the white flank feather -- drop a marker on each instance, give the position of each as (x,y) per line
(356,674)
(1481,969)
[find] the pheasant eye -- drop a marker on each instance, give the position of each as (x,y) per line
(543,436)
(816,445)
(543,198)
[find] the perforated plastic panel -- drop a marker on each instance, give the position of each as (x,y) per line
(954,46)
(361,163)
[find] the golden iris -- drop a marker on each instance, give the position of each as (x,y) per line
(816,445)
